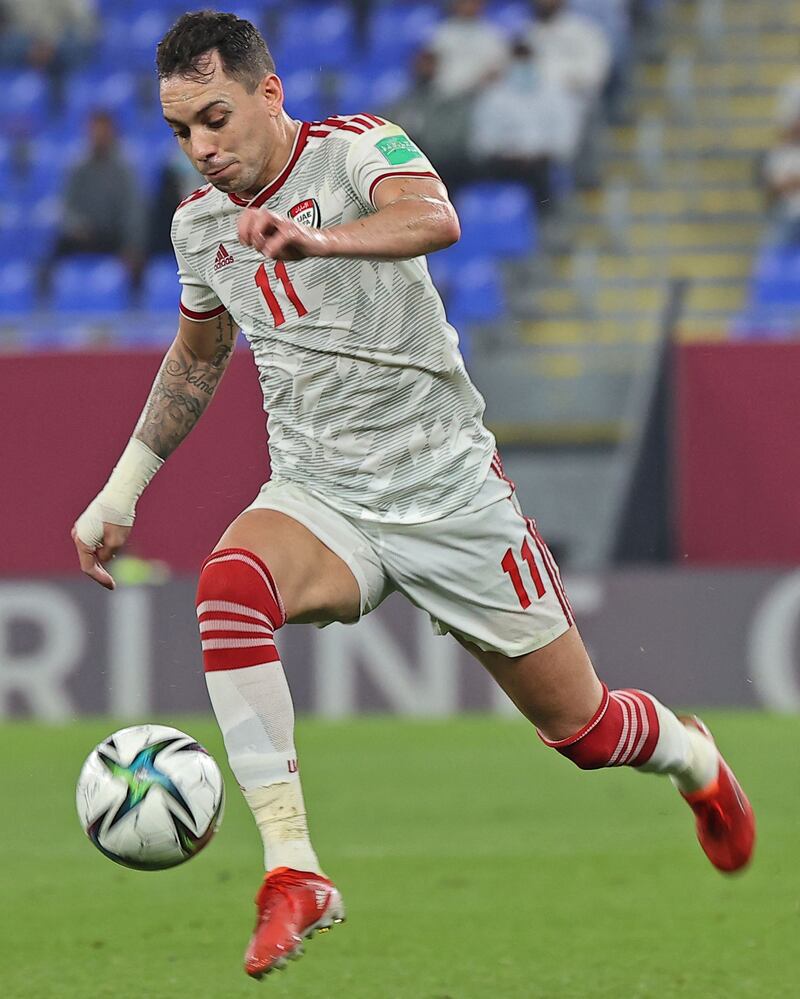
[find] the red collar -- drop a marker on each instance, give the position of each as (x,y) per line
(266,193)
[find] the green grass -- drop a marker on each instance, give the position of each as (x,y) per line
(474,863)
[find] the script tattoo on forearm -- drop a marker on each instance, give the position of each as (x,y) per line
(182,390)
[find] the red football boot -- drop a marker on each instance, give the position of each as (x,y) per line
(291,905)
(726,825)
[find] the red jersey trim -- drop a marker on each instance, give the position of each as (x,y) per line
(400,173)
(275,186)
(201,192)
(358,124)
(198,317)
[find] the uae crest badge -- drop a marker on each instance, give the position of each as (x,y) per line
(306,212)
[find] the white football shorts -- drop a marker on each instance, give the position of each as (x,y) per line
(483,574)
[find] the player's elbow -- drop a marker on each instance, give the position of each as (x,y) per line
(449,229)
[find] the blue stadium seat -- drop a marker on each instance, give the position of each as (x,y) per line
(160,288)
(496,218)
(399,29)
(776,278)
(26,97)
(91,284)
(766,323)
(147,152)
(130,39)
(17,287)
(477,291)
(322,35)
(371,88)
(46,163)
(303,97)
(512,16)
(441,266)
(114,91)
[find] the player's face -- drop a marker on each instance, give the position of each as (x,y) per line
(228,134)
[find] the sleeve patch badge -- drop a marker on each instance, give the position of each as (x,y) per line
(398,149)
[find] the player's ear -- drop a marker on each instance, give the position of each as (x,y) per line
(271,90)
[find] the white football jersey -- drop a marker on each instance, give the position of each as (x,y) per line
(369,404)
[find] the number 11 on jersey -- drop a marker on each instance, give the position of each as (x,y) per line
(282,275)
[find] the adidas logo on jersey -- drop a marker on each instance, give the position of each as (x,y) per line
(222,259)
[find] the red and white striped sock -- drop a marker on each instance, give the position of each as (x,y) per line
(238,611)
(631,728)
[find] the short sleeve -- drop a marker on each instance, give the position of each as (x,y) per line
(384,152)
(198,302)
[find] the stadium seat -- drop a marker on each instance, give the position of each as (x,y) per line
(117,92)
(160,288)
(90,284)
(304,100)
(17,287)
(317,36)
(477,291)
(371,88)
(776,278)
(766,323)
(496,218)
(26,97)
(131,39)
(512,17)
(441,267)
(397,30)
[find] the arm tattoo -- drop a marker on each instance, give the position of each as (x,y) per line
(182,390)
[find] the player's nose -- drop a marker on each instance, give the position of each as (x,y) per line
(204,148)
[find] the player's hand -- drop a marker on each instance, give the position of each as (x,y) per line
(97,541)
(279,238)
(93,560)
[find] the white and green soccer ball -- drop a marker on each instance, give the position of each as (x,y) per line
(150,797)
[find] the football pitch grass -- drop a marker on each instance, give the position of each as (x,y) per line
(475,864)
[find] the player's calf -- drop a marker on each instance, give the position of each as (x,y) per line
(632,728)
(238,610)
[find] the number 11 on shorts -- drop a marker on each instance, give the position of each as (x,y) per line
(510,566)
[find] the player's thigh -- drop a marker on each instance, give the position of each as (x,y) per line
(315,584)
(325,567)
(555,687)
(483,574)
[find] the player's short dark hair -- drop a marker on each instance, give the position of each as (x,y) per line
(184,50)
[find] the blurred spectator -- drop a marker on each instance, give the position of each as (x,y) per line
(468,47)
(102,208)
(51,35)
(781,173)
(177,179)
(522,122)
(439,124)
(573,51)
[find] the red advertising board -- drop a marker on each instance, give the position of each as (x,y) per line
(738,453)
(67,419)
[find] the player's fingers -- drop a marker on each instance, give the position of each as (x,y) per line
(105,553)
(281,247)
(90,565)
(101,576)
(247,226)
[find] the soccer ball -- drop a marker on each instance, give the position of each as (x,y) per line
(150,797)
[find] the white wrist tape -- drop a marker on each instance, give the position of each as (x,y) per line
(116,502)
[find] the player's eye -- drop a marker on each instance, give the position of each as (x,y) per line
(180,133)
(218,123)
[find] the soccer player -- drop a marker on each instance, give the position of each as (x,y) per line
(311,238)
